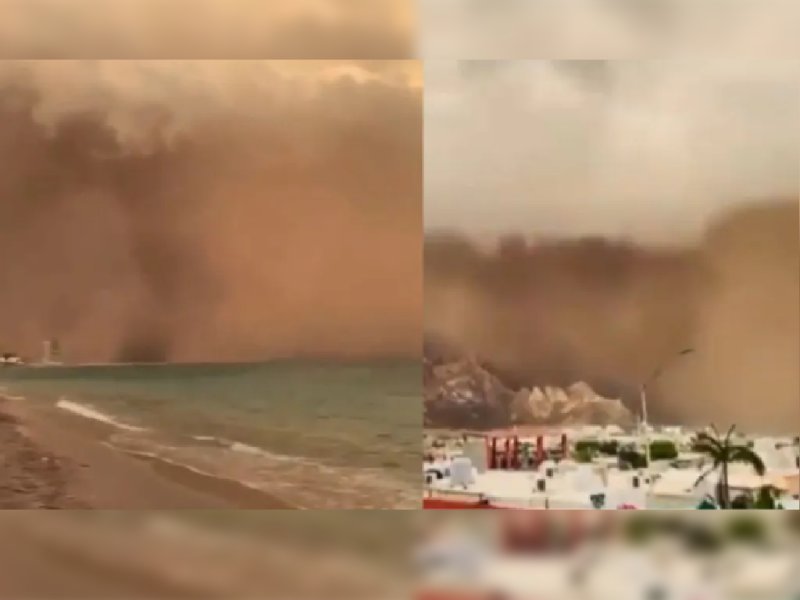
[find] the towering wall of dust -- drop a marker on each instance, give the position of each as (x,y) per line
(748,335)
(678,157)
(209,211)
(610,312)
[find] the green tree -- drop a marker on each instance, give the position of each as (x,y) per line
(722,452)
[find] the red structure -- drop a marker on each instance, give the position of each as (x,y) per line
(509,455)
(491,452)
(540,452)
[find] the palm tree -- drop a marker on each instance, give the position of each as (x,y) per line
(722,453)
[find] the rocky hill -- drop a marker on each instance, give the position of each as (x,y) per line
(578,404)
(463,393)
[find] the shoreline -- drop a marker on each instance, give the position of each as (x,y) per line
(51,459)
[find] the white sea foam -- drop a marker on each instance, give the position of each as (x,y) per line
(243,448)
(300,481)
(89,412)
(246,449)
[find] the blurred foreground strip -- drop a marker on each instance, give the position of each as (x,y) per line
(571,555)
(197,555)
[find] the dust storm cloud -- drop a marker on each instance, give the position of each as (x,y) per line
(213,29)
(210,210)
(588,220)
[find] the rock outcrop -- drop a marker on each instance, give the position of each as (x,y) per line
(578,404)
(463,393)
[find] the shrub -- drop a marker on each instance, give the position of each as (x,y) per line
(610,448)
(635,459)
(583,455)
(591,446)
(742,502)
(663,450)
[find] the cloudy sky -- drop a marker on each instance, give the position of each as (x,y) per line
(642,149)
(588,29)
(368,29)
(211,210)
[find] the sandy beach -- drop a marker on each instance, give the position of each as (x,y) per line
(59,461)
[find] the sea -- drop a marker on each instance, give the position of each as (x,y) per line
(316,435)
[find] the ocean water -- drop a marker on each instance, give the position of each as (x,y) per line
(316,435)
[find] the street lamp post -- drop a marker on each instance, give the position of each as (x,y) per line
(643,422)
(643,397)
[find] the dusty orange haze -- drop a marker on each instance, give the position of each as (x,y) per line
(686,174)
(211,210)
(610,313)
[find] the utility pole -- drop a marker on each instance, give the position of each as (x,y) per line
(643,398)
(643,422)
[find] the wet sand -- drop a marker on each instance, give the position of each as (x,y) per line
(30,477)
(59,461)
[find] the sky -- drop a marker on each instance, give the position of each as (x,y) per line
(646,149)
(211,210)
(220,29)
(591,29)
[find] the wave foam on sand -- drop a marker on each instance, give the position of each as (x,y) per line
(90,412)
(299,481)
